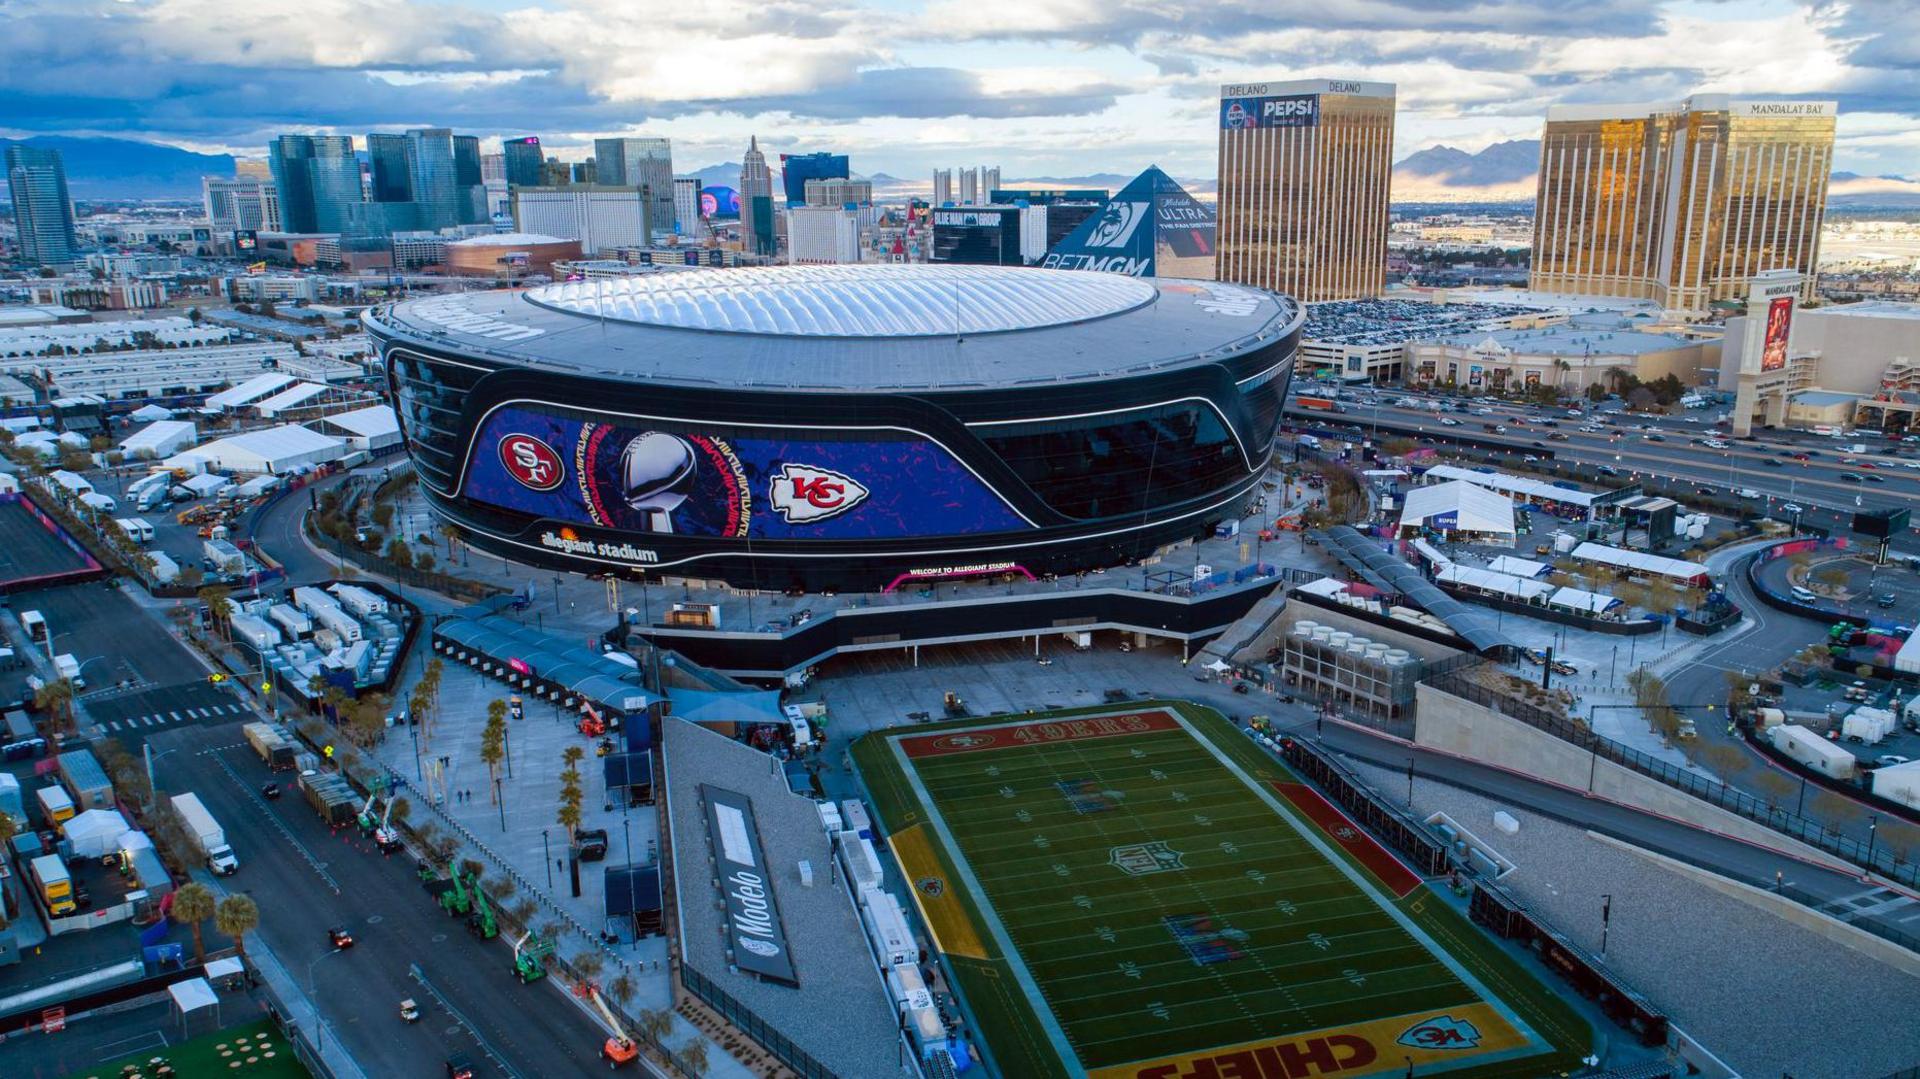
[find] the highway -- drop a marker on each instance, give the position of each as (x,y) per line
(307,879)
(1674,449)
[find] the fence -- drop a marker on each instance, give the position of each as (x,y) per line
(1713,792)
(750,1023)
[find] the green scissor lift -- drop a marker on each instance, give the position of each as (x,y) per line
(457,899)
(481,920)
(530,954)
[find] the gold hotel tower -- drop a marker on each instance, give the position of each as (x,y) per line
(1305,171)
(1680,204)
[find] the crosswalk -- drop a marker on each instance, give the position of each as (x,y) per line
(182,715)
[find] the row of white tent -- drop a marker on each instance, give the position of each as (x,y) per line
(1526,589)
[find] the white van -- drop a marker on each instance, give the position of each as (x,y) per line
(1803,595)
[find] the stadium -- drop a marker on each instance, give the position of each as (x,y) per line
(838,427)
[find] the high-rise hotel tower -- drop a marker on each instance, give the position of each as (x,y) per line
(1681,204)
(1305,171)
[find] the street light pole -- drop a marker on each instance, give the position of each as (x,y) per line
(1606,916)
(546,858)
(313,1000)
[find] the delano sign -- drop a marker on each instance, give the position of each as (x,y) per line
(754,932)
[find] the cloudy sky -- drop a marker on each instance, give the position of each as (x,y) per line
(1041,87)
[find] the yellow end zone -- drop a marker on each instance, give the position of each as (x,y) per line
(1379,1047)
(953,931)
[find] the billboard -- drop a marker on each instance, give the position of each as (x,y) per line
(1882,524)
(1773,347)
(719,202)
(246,241)
(644,476)
(758,940)
(1152,228)
(1290,110)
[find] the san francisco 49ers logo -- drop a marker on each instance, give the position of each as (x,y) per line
(804,494)
(532,462)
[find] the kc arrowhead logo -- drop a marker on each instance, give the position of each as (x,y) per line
(804,494)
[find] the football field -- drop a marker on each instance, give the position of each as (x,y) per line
(1148,894)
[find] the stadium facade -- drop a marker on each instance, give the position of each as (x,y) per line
(839,427)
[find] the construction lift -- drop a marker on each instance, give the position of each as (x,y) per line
(619,1049)
(481,922)
(368,822)
(530,954)
(386,836)
(456,900)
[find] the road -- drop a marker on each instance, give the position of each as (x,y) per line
(139,679)
(307,879)
(1680,454)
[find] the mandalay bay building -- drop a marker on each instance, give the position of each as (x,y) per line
(1681,204)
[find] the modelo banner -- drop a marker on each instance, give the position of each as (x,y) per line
(1292,110)
(639,477)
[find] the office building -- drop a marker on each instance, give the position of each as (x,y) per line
(1681,204)
(839,191)
(434,176)
(1305,169)
(238,204)
(756,201)
(686,207)
(469,180)
(318,179)
(555,173)
(822,235)
(989,179)
(942,186)
(601,218)
(389,176)
(989,235)
(493,179)
(969,186)
(37,181)
(646,164)
(797,169)
(523,160)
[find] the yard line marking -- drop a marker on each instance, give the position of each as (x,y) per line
(175,715)
(113,725)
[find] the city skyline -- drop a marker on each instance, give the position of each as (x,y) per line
(1048,88)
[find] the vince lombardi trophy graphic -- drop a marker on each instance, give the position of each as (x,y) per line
(657,473)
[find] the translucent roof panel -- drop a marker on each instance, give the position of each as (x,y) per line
(853,301)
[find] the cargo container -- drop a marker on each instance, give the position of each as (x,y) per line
(226,558)
(206,833)
(257,634)
(1898,783)
(294,622)
(275,751)
(54,884)
(86,779)
(1809,749)
(56,805)
(886,927)
(854,813)
(165,569)
(340,623)
(313,600)
(359,600)
(136,528)
(1868,725)
(69,669)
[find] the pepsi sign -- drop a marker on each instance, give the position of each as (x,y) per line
(1247,113)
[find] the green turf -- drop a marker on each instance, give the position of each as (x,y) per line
(215,1055)
(1305,947)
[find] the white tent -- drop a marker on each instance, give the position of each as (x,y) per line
(294,396)
(150,413)
(95,833)
(275,449)
(1573,599)
(1641,562)
(253,389)
(1486,580)
(1458,506)
(1519,567)
(160,439)
(373,428)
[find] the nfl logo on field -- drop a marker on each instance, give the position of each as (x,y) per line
(1140,859)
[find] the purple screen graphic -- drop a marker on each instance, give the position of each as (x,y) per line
(669,478)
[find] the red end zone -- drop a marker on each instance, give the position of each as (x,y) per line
(1040,733)
(1392,873)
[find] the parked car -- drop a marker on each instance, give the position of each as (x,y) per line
(592,843)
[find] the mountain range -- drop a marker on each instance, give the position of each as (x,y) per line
(125,169)
(121,169)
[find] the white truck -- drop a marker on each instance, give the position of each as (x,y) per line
(69,669)
(207,833)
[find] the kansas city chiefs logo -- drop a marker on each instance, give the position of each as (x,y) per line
(804,494)
(532,462)
(1441,1032)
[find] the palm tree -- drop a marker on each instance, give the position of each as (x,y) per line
(56,699)
(193,904)
(237,916)
(493,748)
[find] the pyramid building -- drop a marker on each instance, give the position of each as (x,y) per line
(1152,228)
